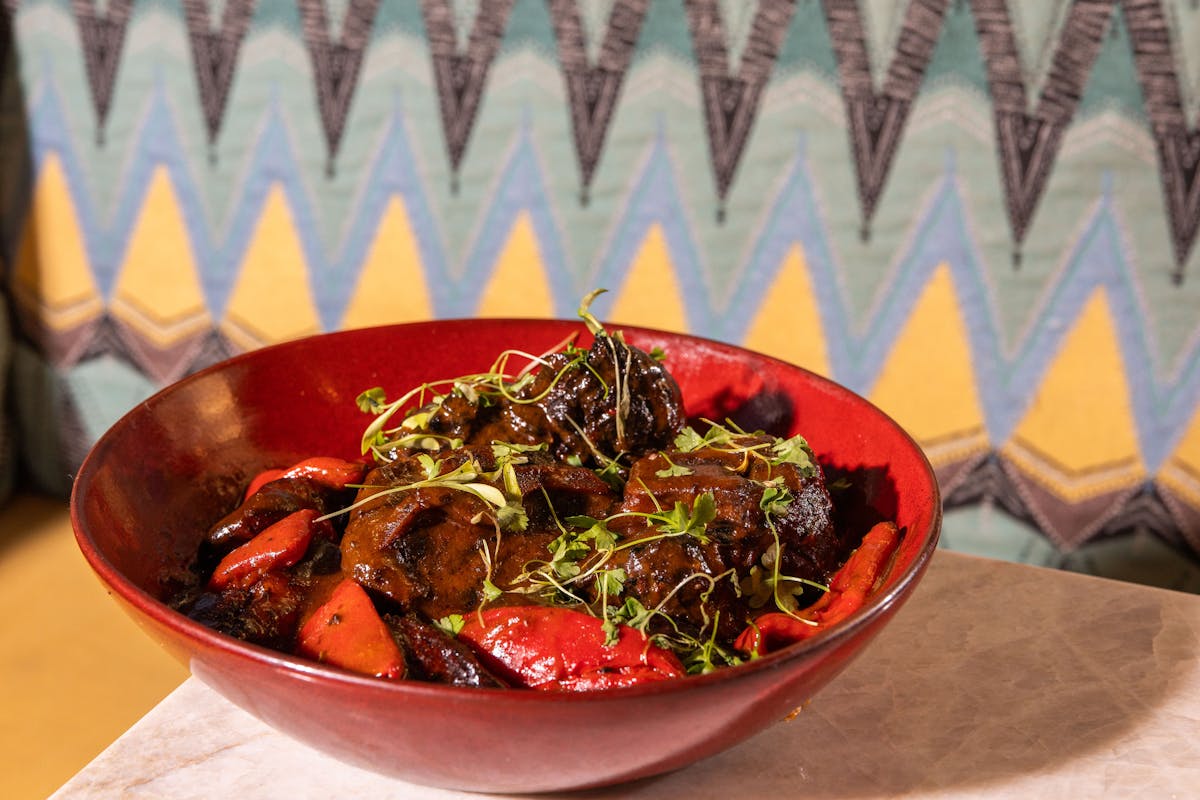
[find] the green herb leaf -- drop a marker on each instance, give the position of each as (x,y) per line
(612,632)
(594,530)
(690,521)
(673,470)
(451,624)
(488,493)
(756,588)
(515,453)
(687,440)
(795,451)
(512,517)
(611,581)
(776,498)
(430,467)
(566,551)
(631,613)
(467,391)
(704,657)
(372,401)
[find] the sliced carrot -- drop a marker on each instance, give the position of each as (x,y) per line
(279,546)
(774,630)
(334,473)
(348,632)
(260,480)
(847,593)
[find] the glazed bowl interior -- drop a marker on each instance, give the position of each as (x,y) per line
(152,485)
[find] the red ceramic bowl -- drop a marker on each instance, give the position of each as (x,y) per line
(154,482)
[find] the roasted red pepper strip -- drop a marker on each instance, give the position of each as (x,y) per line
(260,480)
(542,647)
(279,546)
(847,592)
(335,473)
(348,632)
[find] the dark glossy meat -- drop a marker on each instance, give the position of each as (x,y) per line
(615,400)
(266,613)
(435,656)
(268,505)
(431,549)
(738,538)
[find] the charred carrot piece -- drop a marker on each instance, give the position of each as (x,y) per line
(848,591)
(279,546)
(856,578)
(544,647)
(774,630)
(260,480)
(348,632)
(334,473)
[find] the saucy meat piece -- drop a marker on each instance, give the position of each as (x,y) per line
(268,505)
(432,548)
(612,401)
(265,613)
(435,656)
(692,573)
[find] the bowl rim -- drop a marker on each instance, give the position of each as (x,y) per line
(163,615)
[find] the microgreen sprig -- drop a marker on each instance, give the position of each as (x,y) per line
(729,438)
(497,382)
(467,477)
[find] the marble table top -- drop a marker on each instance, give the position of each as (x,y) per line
(996,680)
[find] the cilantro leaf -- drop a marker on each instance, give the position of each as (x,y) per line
(512,517)
(372,401)
(776,498)
(795,451)
(451,624)
(631,613)
(692,521)
(611,581)
(490,590)
(430,467)
(688,440)
(673,470)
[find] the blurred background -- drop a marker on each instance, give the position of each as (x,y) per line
(981,215)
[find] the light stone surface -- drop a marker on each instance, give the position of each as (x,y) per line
(997,680)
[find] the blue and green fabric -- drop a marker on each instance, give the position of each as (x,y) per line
(982,215)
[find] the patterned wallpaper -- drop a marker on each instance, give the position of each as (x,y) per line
(981,215)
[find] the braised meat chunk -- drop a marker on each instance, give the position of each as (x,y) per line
(745,519)
(435,656)
(608,403)
(428,538)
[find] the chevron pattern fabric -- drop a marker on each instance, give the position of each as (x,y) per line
(980,215)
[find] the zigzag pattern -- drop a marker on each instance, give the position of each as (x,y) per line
(786,213)
(1029,135)
(941,233)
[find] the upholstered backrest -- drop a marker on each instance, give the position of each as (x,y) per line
(981,215)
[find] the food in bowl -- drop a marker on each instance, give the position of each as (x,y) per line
(555,522)
(146,495)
